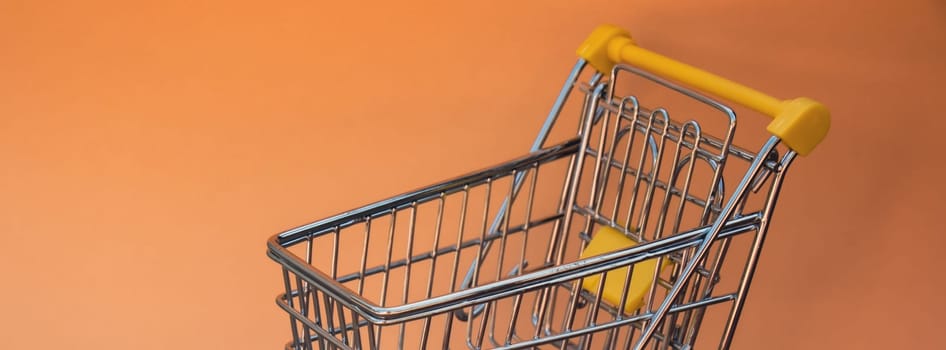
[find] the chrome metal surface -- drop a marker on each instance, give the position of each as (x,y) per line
(491,259)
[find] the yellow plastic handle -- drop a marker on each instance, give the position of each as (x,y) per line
(801,123)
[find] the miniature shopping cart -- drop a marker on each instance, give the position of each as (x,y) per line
(641,229)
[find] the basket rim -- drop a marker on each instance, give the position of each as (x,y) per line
(540,278)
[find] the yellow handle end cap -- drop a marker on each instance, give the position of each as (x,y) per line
(801,124)
(602,47)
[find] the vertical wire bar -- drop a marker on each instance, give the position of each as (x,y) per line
(504,229)
(655,172)
(624,295)
(308,249)
(387,263)
(425,332)
(622,179)
(591,102)
(678,217)
(481,334)
(540,305)
(361,285)
(652,185)
(387,267)
(448,323)
(641,227)
(476,270)
(364,256)
(592,315)
(303,309)
(632,133)
(373,342)
(640,167)
(356,330)
(616,140)
(545,302)
(648,131)
(332,302)
(342,325)
(304,305)
(647,202)
(540,310)
(517,301)
(304,290)
(335,239)
(329,312)
(569,318)
(707,210)
(664,210)
(717,188)
(597,194)
(407,268)
(711,235)
(757,243)
(693,328)
(631,331)
(292,320)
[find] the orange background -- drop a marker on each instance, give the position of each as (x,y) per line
(149,149)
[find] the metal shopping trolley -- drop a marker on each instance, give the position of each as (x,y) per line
(643,229)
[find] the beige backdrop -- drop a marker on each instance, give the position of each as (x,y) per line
(148,149)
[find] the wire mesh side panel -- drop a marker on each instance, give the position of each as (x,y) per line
(488,227)
(654,174)
(640,166)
